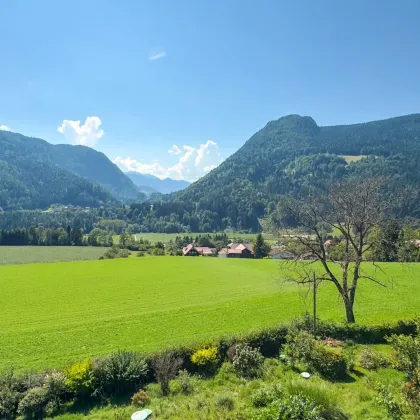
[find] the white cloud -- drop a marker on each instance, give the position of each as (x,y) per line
(192,164)
(4,128)
(175,150)
(87,134)
(156,54)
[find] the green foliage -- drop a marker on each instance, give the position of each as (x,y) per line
(411,393)
(9,394)
(261,248)
(115,252)
(371,360)
(247,361)
(266,395)
(406,352)
(140,399)
(185,384)
(80,378)
(32,405)
(303,348)
(55,385)
(225,401)
(298,407)
(386,399)
(206,359)
(119,373)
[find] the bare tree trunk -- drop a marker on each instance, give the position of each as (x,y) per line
(349,309)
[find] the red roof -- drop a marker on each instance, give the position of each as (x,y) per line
(187,249)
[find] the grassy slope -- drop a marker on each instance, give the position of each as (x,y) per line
(355,397)
(56,313)
(43,254)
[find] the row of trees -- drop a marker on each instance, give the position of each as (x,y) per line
(42,236)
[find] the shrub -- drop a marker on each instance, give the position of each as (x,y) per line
(186,387)
(303,348)
(248,362)
(265,396)
(9,394)
(140,399)
(141,254)
(406,353)
(386,398)
(225,401)
(371,360)
(119,373)
(80,379)
(166,367)
(55,385)
(206,359)
(411,393)
(329,363)
(298,407)
(32,405)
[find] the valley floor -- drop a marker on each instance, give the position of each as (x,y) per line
(54,314)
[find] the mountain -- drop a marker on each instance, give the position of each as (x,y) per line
(29,180)
(293,155)
(79,161)
(150,184)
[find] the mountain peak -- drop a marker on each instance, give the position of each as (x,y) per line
(295,122)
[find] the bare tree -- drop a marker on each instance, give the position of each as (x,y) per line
(352,209)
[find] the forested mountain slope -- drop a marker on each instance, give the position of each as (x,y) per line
(79,160)
(293,155)
(29,179)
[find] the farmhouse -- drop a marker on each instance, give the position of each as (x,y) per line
(206,251)
(237,251)
(281,254)
(194,251)
(190,251)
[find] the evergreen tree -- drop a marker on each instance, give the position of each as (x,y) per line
(261,249)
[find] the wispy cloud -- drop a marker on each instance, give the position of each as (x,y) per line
(193,163)
(157,53)
(86,134)
(174,150)
(4,128)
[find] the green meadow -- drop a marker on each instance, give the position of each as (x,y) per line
(53,314)
(47,254)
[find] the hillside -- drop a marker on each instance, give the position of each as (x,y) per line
(35,174)
(29,180)
(293,155)
(150,184)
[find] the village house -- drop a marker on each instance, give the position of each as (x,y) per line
(190,251)
(237,251)
(194,251)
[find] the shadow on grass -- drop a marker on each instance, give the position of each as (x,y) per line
(84,406)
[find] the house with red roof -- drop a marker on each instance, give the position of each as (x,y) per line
(237,251)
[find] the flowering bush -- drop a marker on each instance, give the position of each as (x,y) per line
(79,378)
(206,359)
(247,361)
(140,399)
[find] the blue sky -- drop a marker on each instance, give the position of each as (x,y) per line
(222,69)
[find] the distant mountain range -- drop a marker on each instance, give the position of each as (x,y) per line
(151,184)
(36,174)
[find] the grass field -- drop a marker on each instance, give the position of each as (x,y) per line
(52,314)
(47,254)
(350,159)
